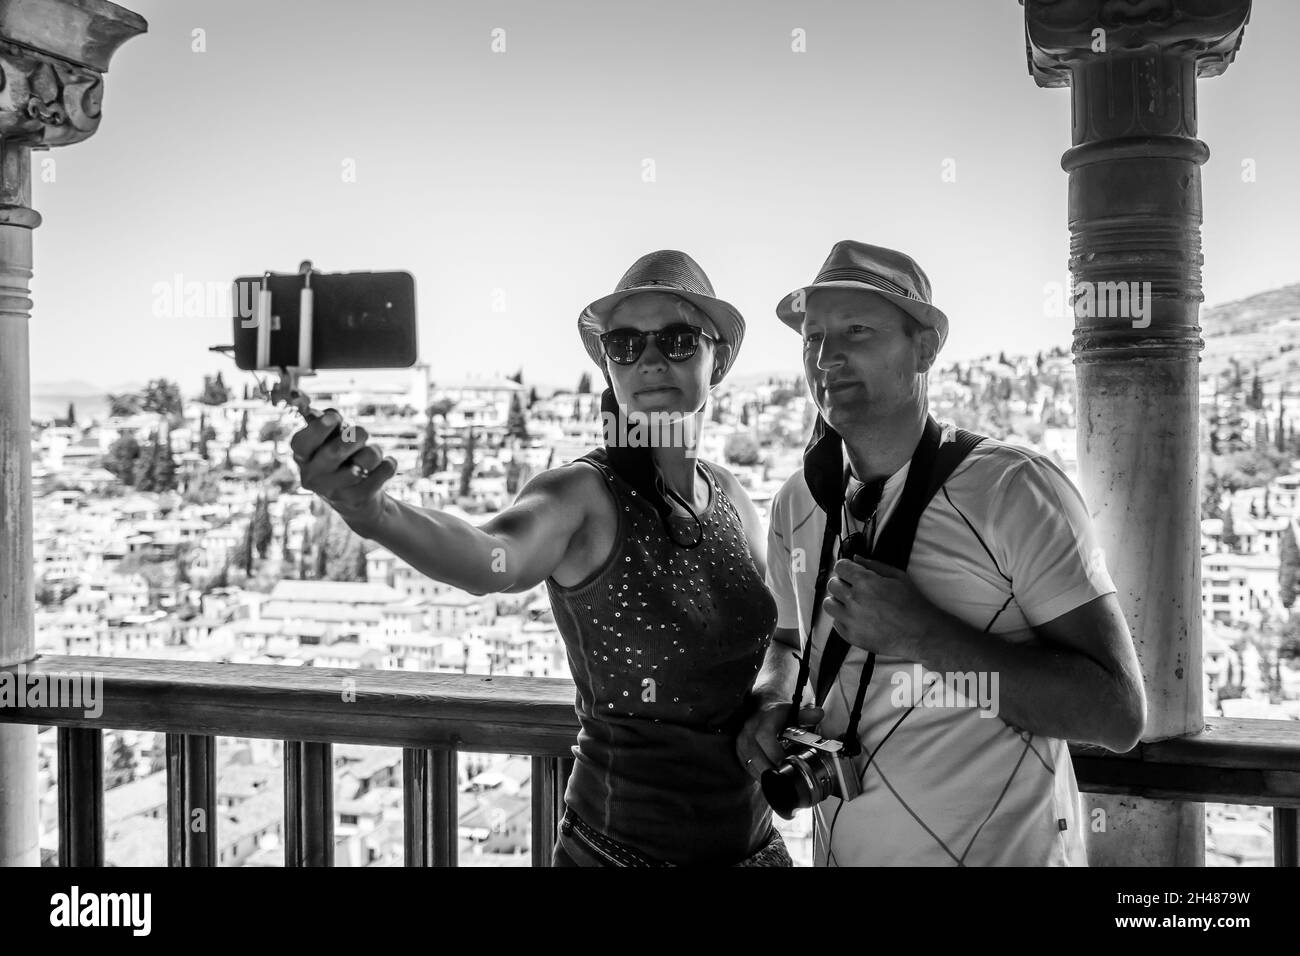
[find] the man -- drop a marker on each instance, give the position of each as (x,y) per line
(1001,640)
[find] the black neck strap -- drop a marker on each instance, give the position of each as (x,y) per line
(893,546)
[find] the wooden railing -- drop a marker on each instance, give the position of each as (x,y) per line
(434,716)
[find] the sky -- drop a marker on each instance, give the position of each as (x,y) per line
(516,186)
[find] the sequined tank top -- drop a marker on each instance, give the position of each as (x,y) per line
(664,644)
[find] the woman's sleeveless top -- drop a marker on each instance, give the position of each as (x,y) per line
(664,644)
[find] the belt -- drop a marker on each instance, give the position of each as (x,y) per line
(616,854)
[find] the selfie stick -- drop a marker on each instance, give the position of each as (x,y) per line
(287,389)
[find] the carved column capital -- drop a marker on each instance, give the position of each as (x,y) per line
(53,55)
(45,101)
(1061,35)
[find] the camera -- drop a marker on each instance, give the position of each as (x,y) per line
(814,768)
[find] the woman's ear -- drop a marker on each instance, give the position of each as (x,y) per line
(721,359)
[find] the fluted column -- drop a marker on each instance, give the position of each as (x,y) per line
(53,55)
(1135,261)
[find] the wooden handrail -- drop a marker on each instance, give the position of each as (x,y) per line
(1243,761)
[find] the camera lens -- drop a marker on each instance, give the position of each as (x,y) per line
(793,785)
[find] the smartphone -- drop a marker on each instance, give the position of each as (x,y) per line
(359,319)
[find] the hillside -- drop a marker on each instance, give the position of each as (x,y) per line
(1262,330)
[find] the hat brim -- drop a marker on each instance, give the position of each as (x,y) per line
(923,312)
(727,321)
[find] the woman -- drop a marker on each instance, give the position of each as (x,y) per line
(653,561)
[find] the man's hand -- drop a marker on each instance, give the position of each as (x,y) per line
(877,607)
(758,746)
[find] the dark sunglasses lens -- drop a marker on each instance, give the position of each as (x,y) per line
(679,342)
(624,346)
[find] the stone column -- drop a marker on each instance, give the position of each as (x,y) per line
(53,55)
(1135,261)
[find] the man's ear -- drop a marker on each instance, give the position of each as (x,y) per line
(721,359)
(927,348)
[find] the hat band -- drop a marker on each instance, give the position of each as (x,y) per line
(866,278)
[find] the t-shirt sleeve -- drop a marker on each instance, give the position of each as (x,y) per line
(779,542)
(1043,536)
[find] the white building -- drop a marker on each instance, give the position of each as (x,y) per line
(1240,587)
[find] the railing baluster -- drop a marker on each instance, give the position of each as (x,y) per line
(1286,837)
(550,777)
(81,796)
(429,820)
(191,800)
(308,804)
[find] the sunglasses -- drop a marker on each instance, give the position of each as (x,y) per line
(678,342)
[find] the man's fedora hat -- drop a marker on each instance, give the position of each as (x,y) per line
(664,271)
(885,272)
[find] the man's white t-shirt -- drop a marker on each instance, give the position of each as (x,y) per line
(1005,545)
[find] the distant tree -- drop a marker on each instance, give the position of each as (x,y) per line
(1229,530)
(467,467)
(285,554)
(516,421)
(744,415)
(123,405)
(162,397)
(321,547)
(1234,377)
(204,491)
(440,408)
(1281,422)
(359,572)
(246,550)
(1256,398)
(263,532)
(164,473)
(517,378)
(71,420)
(532,396)
(741,449)
(284,478)
(122,457)
(584,384)
(304,554)
(517,474)
(241,435)
(214,391)
(121,767)
(1289,567)
(147,465)
(430,449)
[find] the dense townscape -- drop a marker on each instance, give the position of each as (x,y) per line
(172,526)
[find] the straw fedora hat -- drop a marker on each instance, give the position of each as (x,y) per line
(664,271)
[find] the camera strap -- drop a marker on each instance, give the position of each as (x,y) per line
(933,461)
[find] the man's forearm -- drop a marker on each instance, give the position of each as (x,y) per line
(1042,689)
(778,675)
(436,544)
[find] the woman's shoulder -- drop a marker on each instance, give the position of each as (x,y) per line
(729,484)
(578,482)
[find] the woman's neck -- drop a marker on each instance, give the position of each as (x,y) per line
(677,459)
